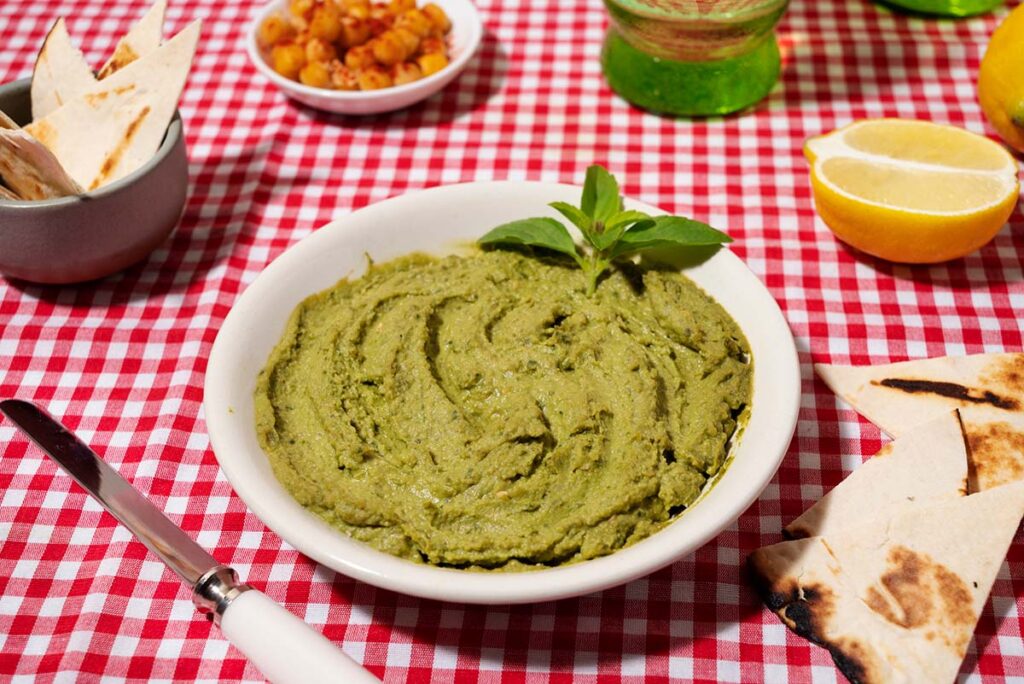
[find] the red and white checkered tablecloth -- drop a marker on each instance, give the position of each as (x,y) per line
(122,360)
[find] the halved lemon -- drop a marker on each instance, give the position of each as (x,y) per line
(911,191)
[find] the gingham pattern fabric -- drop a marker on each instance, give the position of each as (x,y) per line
(122,360)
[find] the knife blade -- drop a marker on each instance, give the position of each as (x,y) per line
(283,647)
(187,559)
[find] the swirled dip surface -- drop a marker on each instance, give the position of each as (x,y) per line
(482,411)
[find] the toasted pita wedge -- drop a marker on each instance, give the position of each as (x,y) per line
(60,74)
(142,39)
(118,125)
(926,464)
(995,446)
(895,599)
(898,396)
(8,123)
(30,170)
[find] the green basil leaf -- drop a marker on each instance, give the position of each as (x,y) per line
(625,218)
(574,214)
(535,232)
(600,199)
(663,231)
(616,226)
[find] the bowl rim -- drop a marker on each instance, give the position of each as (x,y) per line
(268,500)
(252,48)
(175,132)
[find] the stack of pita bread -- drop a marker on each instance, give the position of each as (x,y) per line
(89,130)
(891,569)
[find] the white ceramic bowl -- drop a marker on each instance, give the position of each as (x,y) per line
(435,221)
(463,41)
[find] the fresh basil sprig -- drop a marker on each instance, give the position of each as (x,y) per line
(609,232)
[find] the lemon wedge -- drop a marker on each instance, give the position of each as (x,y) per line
(911,191)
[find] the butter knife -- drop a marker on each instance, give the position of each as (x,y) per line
(284,648)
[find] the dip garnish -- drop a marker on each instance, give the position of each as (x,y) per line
(608,230)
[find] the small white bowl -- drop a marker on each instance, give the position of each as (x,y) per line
(436,221)
(463,41)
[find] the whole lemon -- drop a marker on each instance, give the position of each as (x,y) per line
(1001,80)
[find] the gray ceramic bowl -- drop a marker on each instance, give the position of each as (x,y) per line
(73,239)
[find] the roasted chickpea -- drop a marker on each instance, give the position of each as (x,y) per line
(410,40)
(415,21)
(438,17)
(354,31)
(406,72)
(374,78)
(325,24)
(388,48)
(431,45)
(287,59)
(432,62)
(396,7)
(316,74)
(360,57)
(378,27)
(319,50)
(301,8)
(381,13)
(343,78)
(350,5)
(299,25)
(356,44)
(274,30)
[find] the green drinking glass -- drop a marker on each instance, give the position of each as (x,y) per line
(947,8)
(692,57)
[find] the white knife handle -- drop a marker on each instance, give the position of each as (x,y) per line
(283,647)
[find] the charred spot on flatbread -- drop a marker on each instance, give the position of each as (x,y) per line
(1010,373)
(806,609)
(951,390)
(94,99)
(111,162)
(854,661)
(122,57)
(915,591)
(44,133)
(795,531)
(996,452)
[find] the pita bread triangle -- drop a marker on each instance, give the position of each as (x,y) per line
(117,125)
(926,464)
(143,38)
(898,396)
(29,170)
(897,598)
(60,74)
